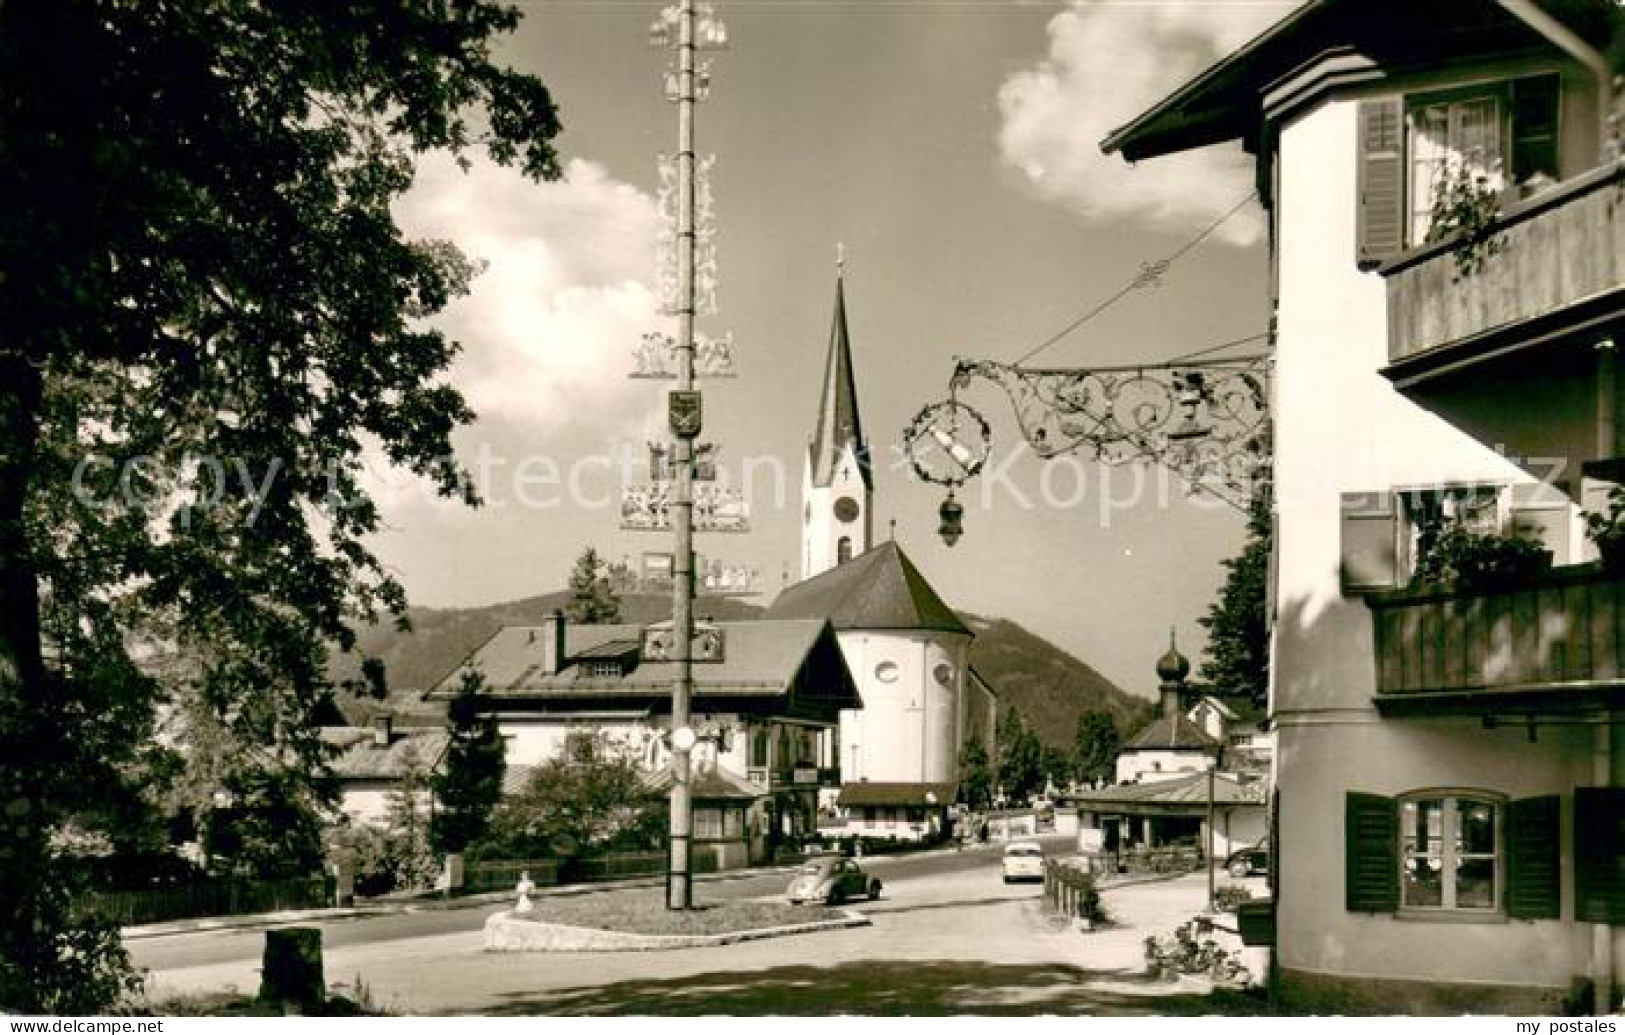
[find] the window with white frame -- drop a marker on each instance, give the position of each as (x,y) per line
(1452,138)
(1450,851)
(1426,513)
(1497,134)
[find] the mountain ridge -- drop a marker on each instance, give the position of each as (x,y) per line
(1049,686)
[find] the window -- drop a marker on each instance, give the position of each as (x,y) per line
(1450,853)
(733,822)
(758,749)
(1425,513)
(708,824)
(1448,139)
(1506,132)
(843,550)
(580,747)
(1467,853)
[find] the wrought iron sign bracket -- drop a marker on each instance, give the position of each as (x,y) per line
(1205,421)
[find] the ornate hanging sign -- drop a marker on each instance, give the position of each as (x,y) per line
(1207,422)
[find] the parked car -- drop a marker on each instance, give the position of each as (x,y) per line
(1244,862)
(1023,860)
(831,879)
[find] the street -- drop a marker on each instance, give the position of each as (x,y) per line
(947,936)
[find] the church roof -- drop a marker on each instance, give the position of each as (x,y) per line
(879,589)
(838,424)
(1173,732)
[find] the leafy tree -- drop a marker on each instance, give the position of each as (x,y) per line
(1095,747)
(975,774)
(592,598)
(1237,658)
(1021,758)
(207,313)
(1056,765)
(407,824)
(468,784)
(590,799)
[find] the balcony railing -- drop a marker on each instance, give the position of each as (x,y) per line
(1560,249)
(1560,636)
(806,776)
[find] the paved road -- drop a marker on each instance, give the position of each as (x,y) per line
(948,937)
(202,948)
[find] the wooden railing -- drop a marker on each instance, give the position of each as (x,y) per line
(1566,628)
(1560,247)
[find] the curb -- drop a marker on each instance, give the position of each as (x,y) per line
(534,936)
(260,921)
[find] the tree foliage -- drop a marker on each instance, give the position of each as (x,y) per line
(592,798)
(975,774)
(468,785)
(208,317)
(592,598)
(1021,757)
(1095,747)
(1237,658)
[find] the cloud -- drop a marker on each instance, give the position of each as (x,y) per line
(549,327)
(1108,61)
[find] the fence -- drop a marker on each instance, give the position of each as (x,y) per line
(215,898)
(503,874)
(1071,892)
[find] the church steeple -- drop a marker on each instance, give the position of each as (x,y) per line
(838,424)
(838,489)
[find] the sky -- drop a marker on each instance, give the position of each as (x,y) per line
(950,151)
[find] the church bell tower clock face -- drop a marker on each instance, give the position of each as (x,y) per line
(846,510)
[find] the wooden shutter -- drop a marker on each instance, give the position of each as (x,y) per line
(1369,538)
(1541,512)
(1599,854)
(1371,847)
(1534,851)
(1380,214)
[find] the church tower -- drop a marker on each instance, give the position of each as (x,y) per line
(837,489)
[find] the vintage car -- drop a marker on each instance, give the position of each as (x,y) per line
(831,879)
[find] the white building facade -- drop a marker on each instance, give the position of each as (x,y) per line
(1447,758)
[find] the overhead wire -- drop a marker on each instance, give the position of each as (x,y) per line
(1147,275)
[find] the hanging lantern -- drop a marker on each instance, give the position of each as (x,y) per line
(952,526)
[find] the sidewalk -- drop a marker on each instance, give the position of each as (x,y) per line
(251,921)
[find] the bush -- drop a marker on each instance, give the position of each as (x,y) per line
(1226,898)
(1182,953)
(1472,561)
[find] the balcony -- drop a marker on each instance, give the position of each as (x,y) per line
(806,776)
(1560,271)
(1556,644)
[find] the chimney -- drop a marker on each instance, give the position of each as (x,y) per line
(554,656)
(382,730)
